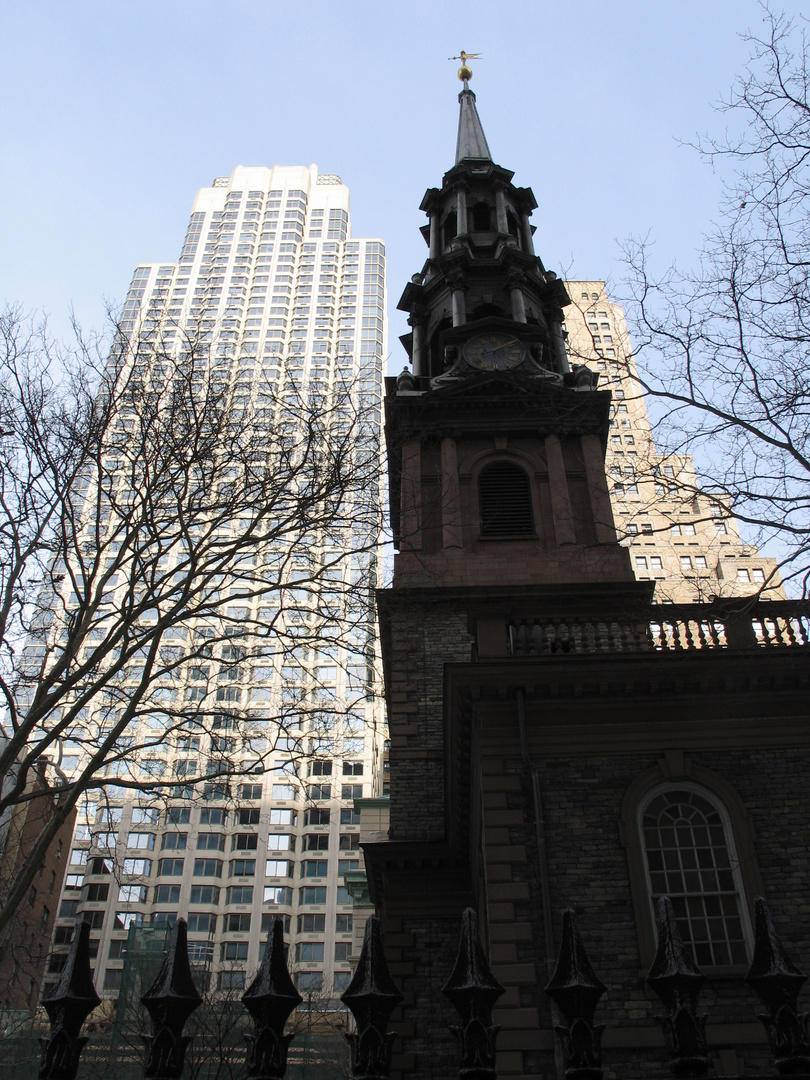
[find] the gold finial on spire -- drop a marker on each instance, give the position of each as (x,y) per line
(464,72)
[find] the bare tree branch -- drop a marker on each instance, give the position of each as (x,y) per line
(722,349)
(170,541)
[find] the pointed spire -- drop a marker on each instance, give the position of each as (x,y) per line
(372,996)
(576,990)
(676,979)
(471,144)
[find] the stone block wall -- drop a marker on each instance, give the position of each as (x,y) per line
(588,871)
(423,638)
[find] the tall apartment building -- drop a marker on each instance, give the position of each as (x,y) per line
(283,300)
(678,536)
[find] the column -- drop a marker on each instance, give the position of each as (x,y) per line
(500,209)
(526,230)
(461,212)
(451,496)
(561,510)
(515,285)
(434,233)
(558,345)
(416,321)
(459,303)
(596,480)
(410,498)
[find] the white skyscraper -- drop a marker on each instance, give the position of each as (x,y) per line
(286,303)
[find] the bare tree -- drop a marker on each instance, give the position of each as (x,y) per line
(170,540)
(723,348)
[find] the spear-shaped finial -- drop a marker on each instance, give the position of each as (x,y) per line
(372,996)
(270,999)
(676,979)
(170,1001)
(68,1005)
(576,989)
(473,991)
(777,981)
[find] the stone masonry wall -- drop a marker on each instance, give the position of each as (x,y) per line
(423,639)
(588,871)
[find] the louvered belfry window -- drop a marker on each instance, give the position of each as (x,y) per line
(505,500)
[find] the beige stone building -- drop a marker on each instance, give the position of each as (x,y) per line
(288,303)
(679,537)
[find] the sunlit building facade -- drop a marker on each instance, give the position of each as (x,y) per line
(271,282)
(686,541)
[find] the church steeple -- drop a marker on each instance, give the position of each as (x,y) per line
(491,385)
(471,144)
(482,273)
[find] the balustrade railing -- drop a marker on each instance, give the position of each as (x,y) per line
(775,624)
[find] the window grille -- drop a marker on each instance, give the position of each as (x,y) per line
(691,859)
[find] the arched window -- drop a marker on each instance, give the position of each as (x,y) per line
(690,857)
(482,217)
(505,500)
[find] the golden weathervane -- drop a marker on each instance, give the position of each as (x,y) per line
(464,72)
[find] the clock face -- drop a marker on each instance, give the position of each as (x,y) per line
(493,351)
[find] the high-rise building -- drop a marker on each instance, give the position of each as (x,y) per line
(679,536)
(281,301)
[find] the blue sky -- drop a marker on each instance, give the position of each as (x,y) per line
(115,114)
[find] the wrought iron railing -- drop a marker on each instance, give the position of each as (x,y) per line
(472,989)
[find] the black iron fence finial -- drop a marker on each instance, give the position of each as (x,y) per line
(170,1001)
(576,990)
(270,999)
(777,982)
(473,990)
(677,980)
(68,1005)
(372,996)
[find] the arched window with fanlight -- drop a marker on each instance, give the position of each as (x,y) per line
(505,501)
(690,856)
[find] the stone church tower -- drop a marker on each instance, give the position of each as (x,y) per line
(558,740)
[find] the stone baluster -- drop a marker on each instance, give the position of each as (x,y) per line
(270,999)
(576,990)
(68,1005)
(472,990)
(777,982)
(676,980)
(372,996)
(170,1001)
